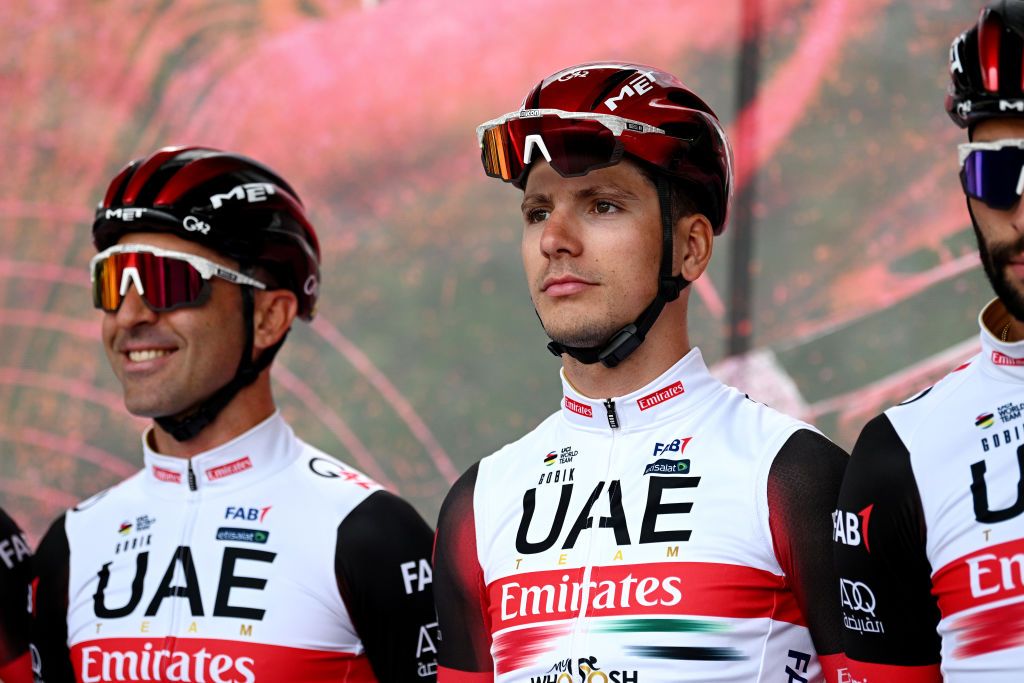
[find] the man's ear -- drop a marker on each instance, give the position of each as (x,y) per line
(694,241)
(273,313)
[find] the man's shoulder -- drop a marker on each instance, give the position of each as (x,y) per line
(934,404)
(759,423)
(107,500)
(324,479)
(512,452)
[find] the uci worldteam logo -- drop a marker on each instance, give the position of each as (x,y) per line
(985,420)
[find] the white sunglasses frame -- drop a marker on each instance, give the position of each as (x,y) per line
(206,268)
(616,124)
(964,149)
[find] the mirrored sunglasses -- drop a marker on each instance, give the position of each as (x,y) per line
(573,143)
(993,172)
(166,280)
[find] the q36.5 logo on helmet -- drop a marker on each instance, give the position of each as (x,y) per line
(193,224)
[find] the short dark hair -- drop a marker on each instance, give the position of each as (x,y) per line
(683,201)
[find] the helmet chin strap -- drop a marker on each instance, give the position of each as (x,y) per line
(188,425)
(624,342)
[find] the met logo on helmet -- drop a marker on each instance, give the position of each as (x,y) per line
(638,85)
(250,192)
(955,65)
(126,215)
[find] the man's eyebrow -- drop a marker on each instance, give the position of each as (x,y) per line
(535,198)
(614,191)
(588,192)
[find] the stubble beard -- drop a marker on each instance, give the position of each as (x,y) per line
(585,333)
(995,259)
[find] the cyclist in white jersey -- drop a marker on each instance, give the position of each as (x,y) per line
(660,527)
(239,553)
(15,575)
(929,534)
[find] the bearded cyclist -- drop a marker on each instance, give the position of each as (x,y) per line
(929,531)
(660,526)
(15,575)
(239,553)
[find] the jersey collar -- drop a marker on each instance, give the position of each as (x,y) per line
(1003,360)
(257,453)
(677,390)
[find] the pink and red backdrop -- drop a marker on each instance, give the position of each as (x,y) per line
(426,355)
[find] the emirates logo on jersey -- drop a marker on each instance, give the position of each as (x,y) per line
(1008,361)
(170,476)
(660,396)
(579,408)
(133,659)
(234,467)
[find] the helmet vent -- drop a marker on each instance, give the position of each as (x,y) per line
(610,85)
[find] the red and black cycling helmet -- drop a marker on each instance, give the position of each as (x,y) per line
(608,109)
(986,65)
(228,202)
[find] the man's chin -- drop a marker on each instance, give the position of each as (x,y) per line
(1010,290)
(150,410)
(581,338)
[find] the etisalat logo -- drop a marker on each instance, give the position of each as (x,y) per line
(668,466)
(564,457)
(242,535)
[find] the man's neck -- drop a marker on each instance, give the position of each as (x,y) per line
(251,406)
(666,343)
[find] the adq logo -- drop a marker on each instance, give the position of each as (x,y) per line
(857,596)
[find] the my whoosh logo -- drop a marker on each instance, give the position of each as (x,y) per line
(660,396)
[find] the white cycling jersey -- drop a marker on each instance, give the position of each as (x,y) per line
(261,560)
(930,528)
(643,538)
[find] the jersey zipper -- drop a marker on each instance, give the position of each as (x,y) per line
(613,417)
(579,642)
(187,533)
